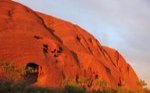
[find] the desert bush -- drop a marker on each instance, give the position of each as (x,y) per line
(11,81)
(144,88)
(9,76)
(9,72)
(69,82)
(83,80)
(71,86)
(100,82)
(142,83)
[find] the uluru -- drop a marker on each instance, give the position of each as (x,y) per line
(51,51)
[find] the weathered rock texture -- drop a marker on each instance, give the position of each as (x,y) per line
(58,49)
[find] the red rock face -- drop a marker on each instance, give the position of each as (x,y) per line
(58,49)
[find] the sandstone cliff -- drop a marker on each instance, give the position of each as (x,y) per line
(58,49)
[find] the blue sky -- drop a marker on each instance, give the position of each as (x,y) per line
(120,24)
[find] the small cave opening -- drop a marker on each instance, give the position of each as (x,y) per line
(31,73)
(78,38)
(45,48)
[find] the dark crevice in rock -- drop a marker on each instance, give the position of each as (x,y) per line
(76,58)
(128,68)
(55,55)
(117,57)
(53,51)
(106,55)
(78,38)
(56,52)
(59,50)
(50,30)
(108,70)
(10,13)
(77,78)
(96,76)
(90,50)
(90,40)
(41,20)
(84,39)
(28,10)
(121,82)
(45,48)
(37,37)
